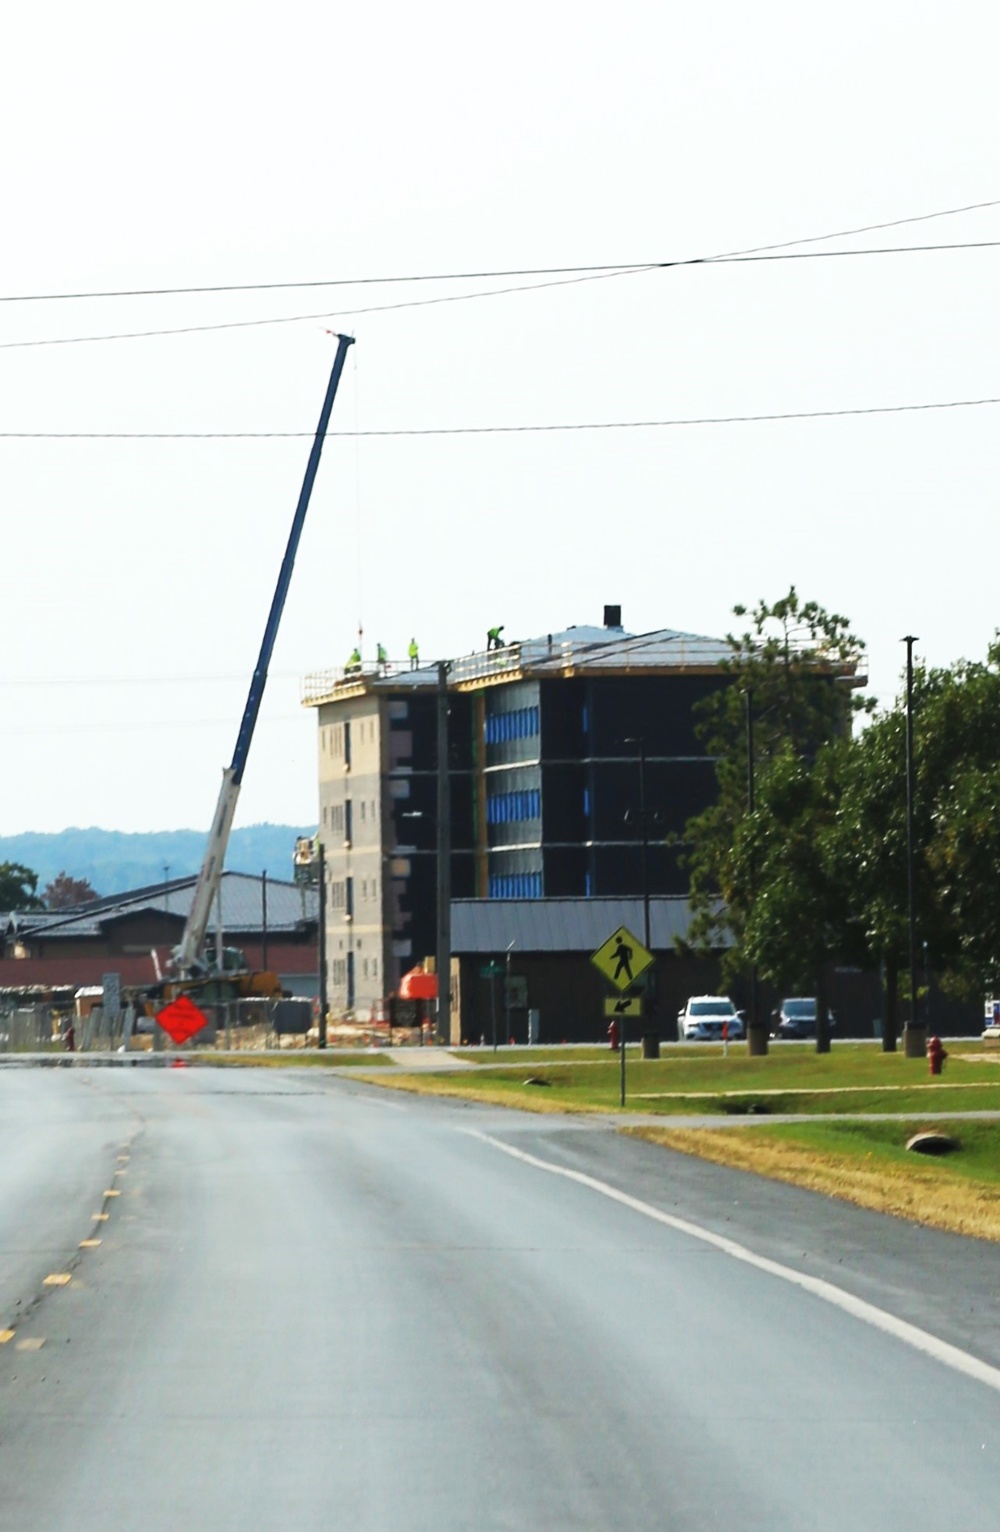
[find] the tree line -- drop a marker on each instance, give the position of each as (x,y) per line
(801,860)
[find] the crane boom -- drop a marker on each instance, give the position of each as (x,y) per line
(186,955)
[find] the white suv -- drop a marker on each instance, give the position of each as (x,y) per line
(702,1019)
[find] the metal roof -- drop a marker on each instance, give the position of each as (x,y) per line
(289,906)
(561,925)
(570,651)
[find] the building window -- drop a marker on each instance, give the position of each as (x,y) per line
(516,885)
(349,896)
(521,723)
(364,810)
(347,820)
(507,808)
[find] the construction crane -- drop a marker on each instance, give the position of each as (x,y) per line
(188,959)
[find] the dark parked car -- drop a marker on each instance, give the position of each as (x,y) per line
(797,1018)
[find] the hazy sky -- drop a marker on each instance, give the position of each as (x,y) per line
(222,143)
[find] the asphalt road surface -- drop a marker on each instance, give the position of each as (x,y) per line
(317,1305)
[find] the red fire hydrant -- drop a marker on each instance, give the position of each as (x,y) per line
(614,1035)
(936,1055)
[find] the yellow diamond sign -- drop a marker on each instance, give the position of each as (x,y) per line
(622,959)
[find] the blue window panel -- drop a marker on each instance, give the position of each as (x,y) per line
(586,802)
(587,885)
(536,721)
(586,719)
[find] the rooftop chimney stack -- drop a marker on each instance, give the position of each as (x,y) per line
(612,616)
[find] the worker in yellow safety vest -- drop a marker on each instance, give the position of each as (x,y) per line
(414,652)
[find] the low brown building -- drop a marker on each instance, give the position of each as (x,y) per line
(274,923)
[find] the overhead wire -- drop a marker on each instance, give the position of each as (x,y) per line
(512,430)
(493,292)
(480,276)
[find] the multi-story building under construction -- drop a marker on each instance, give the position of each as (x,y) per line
(544,751)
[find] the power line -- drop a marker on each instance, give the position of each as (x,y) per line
(477,276)
(549,428)
(496,292)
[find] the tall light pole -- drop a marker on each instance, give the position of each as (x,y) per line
(321,878)
(914,1036)
(443,956)
(650,1030)
(755,1042)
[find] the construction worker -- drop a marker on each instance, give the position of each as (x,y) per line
(414,652)
(381,657)
(493,637)
(353,661)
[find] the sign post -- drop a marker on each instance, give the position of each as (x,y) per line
(622,959)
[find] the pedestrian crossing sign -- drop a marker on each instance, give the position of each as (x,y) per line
(622,958)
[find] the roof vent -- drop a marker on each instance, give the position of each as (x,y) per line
(612,616)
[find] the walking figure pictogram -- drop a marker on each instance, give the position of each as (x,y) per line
(623,960)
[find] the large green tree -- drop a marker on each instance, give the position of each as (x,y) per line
(791,698)
(18,887)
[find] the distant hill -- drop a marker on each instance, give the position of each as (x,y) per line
(113,862)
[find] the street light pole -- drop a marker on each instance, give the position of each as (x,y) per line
(506,996)
(321,877)
(443,962)
(914,1036)
(650,1031)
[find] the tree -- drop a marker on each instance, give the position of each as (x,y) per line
(958,783)
(64,892)
(18,887)
(800,911)
(786,703)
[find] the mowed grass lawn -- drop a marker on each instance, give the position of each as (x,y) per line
(851,1078)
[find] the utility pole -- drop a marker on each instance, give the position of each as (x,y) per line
(914,1036)
(650,1028)
(443,961)
(756,1035)
(321,871)
(263,920)
(506,995)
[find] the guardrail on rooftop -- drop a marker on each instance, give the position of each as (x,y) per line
(644,653)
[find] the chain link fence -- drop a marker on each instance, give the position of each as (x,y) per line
(234,1026)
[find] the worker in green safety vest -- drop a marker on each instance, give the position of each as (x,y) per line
(414,652)
(493,637)
(354,660)
(381,656)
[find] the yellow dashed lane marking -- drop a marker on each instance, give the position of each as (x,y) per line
(99,1217)
(121,1172)
(89,1244)
(35,1343)
(58,1279)
(5,1336)
(112,1191)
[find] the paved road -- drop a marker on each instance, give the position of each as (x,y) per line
(317,1305)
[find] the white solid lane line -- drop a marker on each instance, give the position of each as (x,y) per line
(868,1313)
